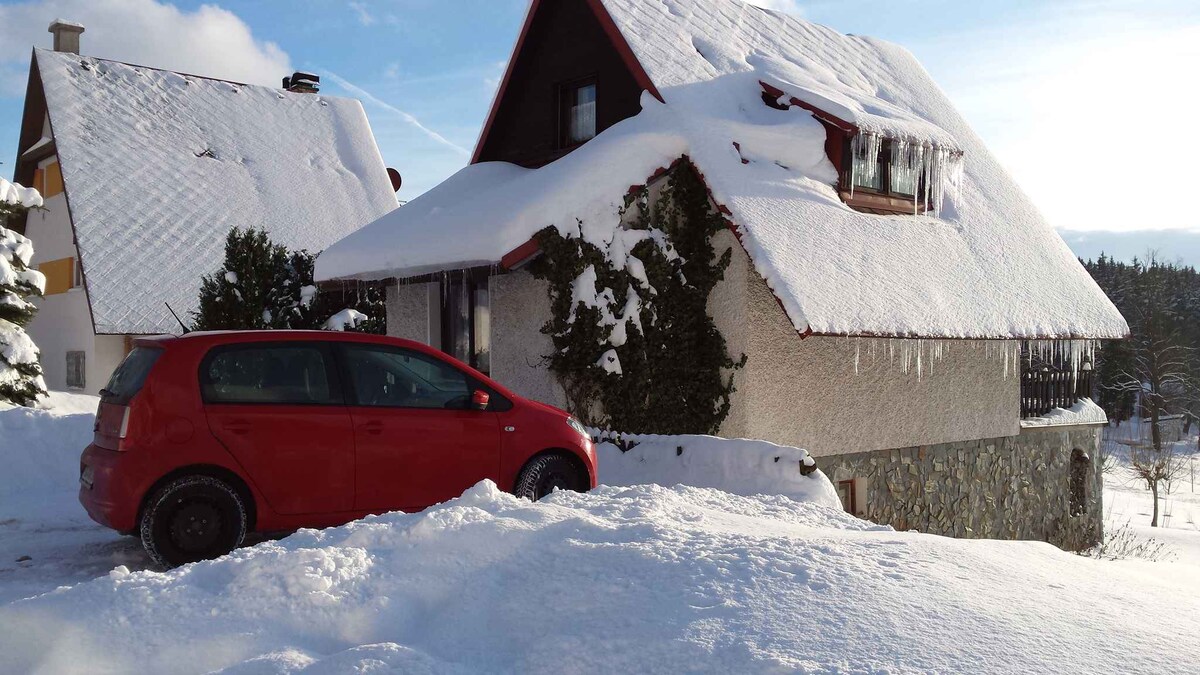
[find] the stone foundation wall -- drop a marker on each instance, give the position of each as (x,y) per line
(1001,488)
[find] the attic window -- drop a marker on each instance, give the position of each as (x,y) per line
(578,104)
(888,175)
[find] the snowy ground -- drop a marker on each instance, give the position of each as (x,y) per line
(1127,500)
(635,579)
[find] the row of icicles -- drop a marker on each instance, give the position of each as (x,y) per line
(920,356)
(935,171)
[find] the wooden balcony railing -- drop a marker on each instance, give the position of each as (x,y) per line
(1044,388)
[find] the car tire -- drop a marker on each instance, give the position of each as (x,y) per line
(546,473)
(191,519)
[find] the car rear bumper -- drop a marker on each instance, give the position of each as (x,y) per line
(110,498)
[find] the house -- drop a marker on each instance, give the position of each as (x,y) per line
(144,172)
(888,283)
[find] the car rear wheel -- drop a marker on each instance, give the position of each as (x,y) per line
(547,473)
(191,519)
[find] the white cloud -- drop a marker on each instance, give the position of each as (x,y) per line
(209,41)
(789,6)
(360,10)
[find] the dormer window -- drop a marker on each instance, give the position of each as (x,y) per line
(888,175)
(578,105)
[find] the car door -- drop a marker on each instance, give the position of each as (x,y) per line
(278,409)
(417,440)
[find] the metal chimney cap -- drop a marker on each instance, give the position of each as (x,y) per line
(64,25)
(66,35)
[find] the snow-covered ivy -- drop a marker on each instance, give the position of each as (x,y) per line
(635,347)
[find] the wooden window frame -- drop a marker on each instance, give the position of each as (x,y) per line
(852,492)
(872,200)
(564,101)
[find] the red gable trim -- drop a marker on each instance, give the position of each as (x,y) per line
(623,48)
(614,35)
(834,120)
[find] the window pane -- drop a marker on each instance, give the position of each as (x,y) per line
(398,378)
(458,313)
(483,330)
(582,123)
(905,171)
(267,374)
(866,173)
(128,378)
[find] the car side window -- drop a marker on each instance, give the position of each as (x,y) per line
(393,377)
(280,374)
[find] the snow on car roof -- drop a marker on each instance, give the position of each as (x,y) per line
(158,167)
(989,267)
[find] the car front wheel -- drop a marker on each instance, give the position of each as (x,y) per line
(547,473)
(191,519)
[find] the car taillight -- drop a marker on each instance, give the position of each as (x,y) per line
(124,430)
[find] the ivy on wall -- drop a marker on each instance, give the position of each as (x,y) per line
(635,349)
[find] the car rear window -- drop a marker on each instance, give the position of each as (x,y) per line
(292,374)
(129,377)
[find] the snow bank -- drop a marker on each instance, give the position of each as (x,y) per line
(39,450)
(643,579)
(989,267)
(742,467)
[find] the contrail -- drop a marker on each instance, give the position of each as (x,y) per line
(366,95)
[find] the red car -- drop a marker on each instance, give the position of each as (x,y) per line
(205,437)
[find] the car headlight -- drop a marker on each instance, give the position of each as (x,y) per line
(578,427)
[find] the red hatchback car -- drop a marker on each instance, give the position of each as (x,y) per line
(205,437)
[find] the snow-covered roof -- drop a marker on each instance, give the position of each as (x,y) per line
(989,267)
(158,166)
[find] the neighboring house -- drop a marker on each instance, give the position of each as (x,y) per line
(145,171)
(888,278)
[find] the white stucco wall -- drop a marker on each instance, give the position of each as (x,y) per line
(520,308)
(63,322)
(807,393)
(413,312)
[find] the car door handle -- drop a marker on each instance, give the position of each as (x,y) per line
(238,427)
(373,428)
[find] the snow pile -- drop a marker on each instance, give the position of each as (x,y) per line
(989,267)
(642,579)
(39,450)
(1083,412)
(742,467)
(179,160)
(347,319)
(14,193)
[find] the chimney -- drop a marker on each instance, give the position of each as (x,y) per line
(302,83)
(66,35)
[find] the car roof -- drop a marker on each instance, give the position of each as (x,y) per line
(234,336)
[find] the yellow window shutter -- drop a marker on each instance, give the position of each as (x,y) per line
(54,181)
(60,275)
(39,180)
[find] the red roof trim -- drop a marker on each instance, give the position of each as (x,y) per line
(614,35)
(836,121)
(508,71)
(623,48)
(520,254)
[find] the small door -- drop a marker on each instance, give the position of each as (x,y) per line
(278,409)
(418,442)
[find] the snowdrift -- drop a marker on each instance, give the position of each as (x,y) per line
(39,455)
(642,579)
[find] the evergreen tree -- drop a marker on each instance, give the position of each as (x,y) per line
(20,374)
(263,286)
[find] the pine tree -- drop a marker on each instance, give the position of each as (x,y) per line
(20,374)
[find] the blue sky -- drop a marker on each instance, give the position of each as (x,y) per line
(1085,101)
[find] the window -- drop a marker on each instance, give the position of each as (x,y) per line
(128,378)
(467,325)
(391,377)
(578,102)
(886,167)
(76,370)
(848,494)
(268,374)
(48,180)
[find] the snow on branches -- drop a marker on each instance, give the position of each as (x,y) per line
(20,373)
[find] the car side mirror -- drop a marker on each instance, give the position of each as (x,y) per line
(480,399)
